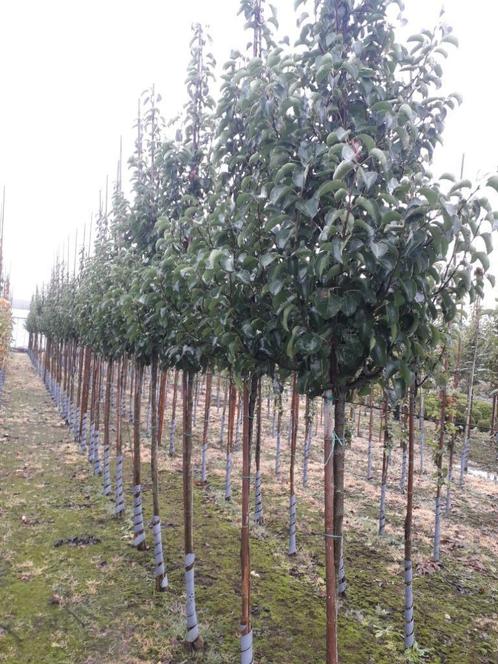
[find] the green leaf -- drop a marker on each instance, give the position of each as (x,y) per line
(369,178)
(432,195)
(275,286)
(227,263)
(337,136)
(380,156)
(483,258)
(284,170)
(278,192)
(406,112)
(309,207)
(285,317)
(463,184)
(451,39)
(369,206)
(488,241)
(448,176)
(328,187)
(382,107)
(267,259)
(367,141)
(378,249)
(343,169)
(493,182)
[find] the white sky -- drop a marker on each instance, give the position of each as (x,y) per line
(71,73)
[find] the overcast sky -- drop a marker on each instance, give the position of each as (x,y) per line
(71,73)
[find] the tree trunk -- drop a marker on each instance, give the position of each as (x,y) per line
(223,413)
(294,416)
(421,431)
(207,407)
(329,492)
(160,570)
(246,648)
(138,517)
(385,468)
(93,405)
(449,478)
(493,416)
(118,476)
(308,437)
(172,430)
(107,417)
(232,397)
(439,479)
(370,440)
(404,450)
(96,441)
(339,450)
(258,495)
(84,401)
(470,403)
(193,635)
(163,391)
(409,622)
(278,432)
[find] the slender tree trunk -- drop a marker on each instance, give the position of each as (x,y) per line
(131,405)
(439,479)
(238,422)
(72,377)
(294,416)
(124,386)
(163,391)
(329,492)
(449,478)
(493,416)
(278,432)
(409,622)
(172,430)
(258,515)
(218,393)
(223,414)
(246,646)
(118,477)
(138,517)
(308,437)
(339,452)
(385,468)
(197,382)
(207,407)
(404,450)
(193,636)
(160,570)
(421,431)
(93,405)
(232,398)
(96,441)
(470,403)
(370,438)
(84,400)
(107,425)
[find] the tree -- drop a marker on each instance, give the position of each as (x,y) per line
(346,236)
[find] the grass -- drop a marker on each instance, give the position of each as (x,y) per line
(95,603)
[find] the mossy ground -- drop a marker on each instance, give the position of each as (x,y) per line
(95,604)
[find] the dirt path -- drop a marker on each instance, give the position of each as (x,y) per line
(73,590)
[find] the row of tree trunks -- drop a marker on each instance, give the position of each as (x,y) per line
(90,370)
